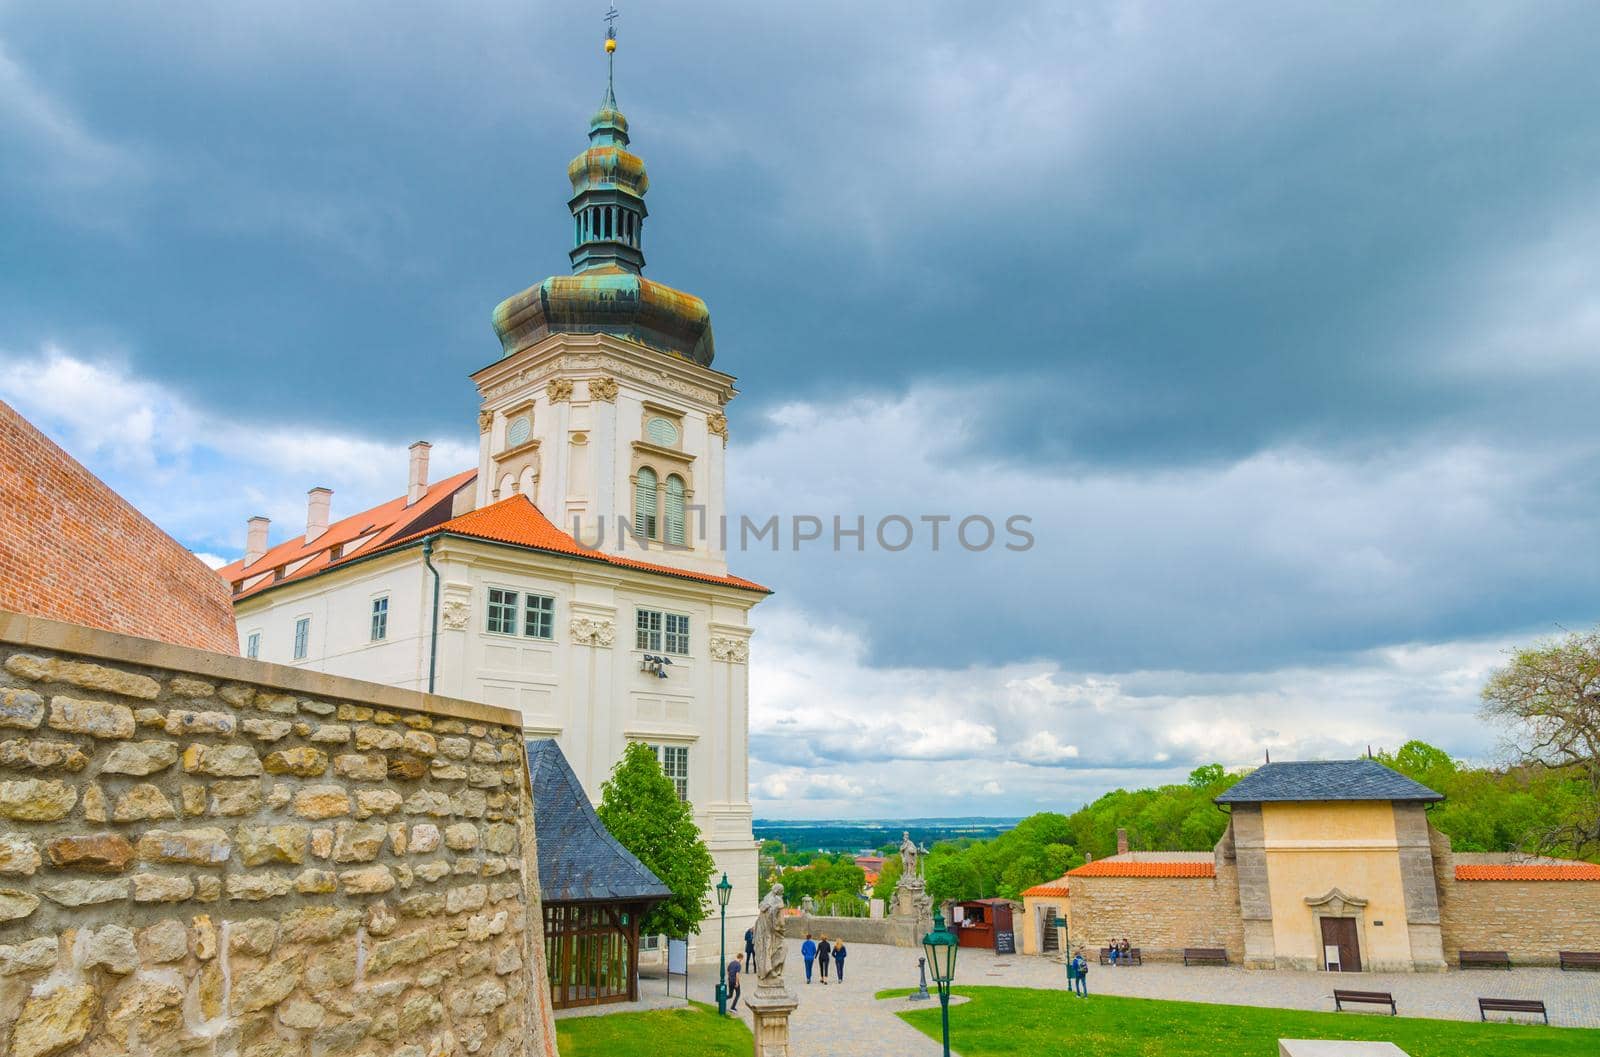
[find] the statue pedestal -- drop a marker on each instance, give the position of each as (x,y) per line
(771,1008)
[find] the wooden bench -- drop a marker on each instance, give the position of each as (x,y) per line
(1205,956)
(1485,960)
(1131,956)
(1375,998)
(1580,960)
(1511,1005)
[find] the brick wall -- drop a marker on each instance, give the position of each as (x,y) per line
(72,549)
(1531,920)
(205,855)
(1159,915)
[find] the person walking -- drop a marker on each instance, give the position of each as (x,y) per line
(838,961)
(750,945)
(808,953)
(734,968)
(1081,965)
(823,951)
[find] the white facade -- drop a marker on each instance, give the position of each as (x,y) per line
(568,422)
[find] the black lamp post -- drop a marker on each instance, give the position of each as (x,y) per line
(724,890)
(940,946)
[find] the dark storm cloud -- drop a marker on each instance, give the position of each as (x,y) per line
(1194,230)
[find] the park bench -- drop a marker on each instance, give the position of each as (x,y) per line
(1580,960)
(1131,956)
(1485,960)
(1375,998)
(1511,1005)
(1205,956)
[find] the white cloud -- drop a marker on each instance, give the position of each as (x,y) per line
(833,735)
(196,473)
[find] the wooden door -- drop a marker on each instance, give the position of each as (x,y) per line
(1341,933)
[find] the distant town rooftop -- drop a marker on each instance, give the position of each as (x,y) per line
(1326,780)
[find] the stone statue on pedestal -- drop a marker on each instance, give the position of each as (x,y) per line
(768,965)
(910,856)
(772,1003)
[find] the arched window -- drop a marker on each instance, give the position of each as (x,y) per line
(644,504)
(674,512)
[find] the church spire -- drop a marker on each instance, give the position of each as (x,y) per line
(608,186)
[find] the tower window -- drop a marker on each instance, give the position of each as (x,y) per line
(518,432)
(662,431)
(644,504)
(675,510)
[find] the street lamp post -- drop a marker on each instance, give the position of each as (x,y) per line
(724,890)
(940,946)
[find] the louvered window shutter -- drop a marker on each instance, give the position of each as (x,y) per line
(644,503)
(675,530)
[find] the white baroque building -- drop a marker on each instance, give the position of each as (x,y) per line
(601,422)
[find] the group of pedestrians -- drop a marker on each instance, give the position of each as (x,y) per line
(812,951)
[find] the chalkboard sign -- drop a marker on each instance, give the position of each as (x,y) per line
(1005,943)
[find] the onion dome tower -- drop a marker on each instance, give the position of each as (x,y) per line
(606,294)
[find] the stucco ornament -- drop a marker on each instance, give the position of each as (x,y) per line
(603,389)
(454,614)
(731,651)
(559,389)
(769,941)
(485,420)
(587,631)
(718,424)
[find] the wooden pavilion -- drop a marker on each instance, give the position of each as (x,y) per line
(594,891)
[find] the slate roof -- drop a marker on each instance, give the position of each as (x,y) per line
(1326,780)
(579,860)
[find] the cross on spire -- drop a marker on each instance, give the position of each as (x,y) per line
(611,56)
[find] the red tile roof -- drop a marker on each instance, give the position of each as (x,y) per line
(1129,868)
(1057,888)
(1564,871)
(514,520)
(377,528)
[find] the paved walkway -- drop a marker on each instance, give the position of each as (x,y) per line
(855,1025)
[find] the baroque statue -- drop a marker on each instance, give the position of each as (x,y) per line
(769,940)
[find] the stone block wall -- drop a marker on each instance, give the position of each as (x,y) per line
(893,932)
(1530,920)
(206,855)
(1159,915)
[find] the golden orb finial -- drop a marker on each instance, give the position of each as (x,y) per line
(611,45)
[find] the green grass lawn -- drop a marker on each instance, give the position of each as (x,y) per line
(694,1030)
(1030,1023)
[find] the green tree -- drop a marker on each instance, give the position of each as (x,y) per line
(639,805)
(888,877)
(1548,699)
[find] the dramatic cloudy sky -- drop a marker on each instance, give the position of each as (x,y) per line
(1281,322)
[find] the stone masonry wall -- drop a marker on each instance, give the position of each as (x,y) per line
(1531,920)
(205,855)
(1159,915)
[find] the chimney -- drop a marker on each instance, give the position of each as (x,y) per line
(318,500)
(255,539)
(417,485)
(1122,842)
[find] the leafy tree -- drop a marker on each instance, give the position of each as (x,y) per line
(888,877)
(639,805)
(825,876)
(1548,698)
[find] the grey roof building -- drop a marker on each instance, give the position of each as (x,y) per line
(1326,780)
(594,890)
(579,860)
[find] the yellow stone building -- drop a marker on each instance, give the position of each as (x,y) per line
(1332,865)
